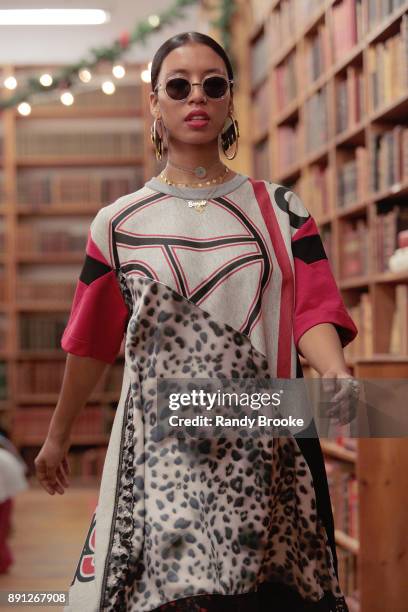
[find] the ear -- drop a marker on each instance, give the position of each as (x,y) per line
(154,104)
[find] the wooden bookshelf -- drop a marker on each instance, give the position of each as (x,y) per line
(58,166)
(312,70)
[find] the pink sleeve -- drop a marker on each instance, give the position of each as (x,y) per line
(317,297)
(99,313)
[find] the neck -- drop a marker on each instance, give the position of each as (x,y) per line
(190,156)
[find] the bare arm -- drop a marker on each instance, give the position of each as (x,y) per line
(322,348)
(80,377)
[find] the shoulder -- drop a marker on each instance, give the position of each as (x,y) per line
(289,207)
(109,211)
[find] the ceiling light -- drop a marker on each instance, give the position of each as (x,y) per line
(24,108)
(10,83)
(46,80)
(67,98)
(53,17)
(85,75)
(108,87)
(145,75)
(118,71)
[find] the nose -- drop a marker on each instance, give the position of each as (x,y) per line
(197,92)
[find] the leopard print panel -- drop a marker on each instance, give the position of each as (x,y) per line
(205,516)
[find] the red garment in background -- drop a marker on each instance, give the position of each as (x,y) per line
(6,557)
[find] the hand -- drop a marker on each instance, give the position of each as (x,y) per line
(51,465)
(344,402)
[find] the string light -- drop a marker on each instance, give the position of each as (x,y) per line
(154,20)
(10,82)
(146,76)
(85,75)
(67,98)
(118,71)
(108,88)
(24,108)
(46,80)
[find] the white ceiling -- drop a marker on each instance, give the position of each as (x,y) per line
(67,44)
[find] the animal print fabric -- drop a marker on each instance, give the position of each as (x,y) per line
(209,513)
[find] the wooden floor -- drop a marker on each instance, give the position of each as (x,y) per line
(47,538)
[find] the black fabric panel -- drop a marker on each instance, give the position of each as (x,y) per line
(309,249)
(92,269)
(313,454)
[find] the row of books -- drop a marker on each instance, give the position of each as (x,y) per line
(81,144)
(362,315)
(4,327)
(378,10)
(41,332)
(46,377)
(262,167)
(316,120)
(261,110)
(343,489)
(389,157)
(388,227)
(37,289)
(348,575)
(387,66)
(354,248)
(287,146)
(30,424)
(286,82)
(287,19)
(72,186)
(347,27)
(314,187)
(352,178)
(54,235)
(3,380)
(317,54)
(399,322)
(350,99)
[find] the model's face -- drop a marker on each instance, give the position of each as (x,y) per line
(193,61)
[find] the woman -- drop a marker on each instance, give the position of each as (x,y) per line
(196,268)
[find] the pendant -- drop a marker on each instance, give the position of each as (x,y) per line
(199,205)
(200,171)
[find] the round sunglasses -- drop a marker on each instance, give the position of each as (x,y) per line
(179,88)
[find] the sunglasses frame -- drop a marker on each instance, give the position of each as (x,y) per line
(209,76)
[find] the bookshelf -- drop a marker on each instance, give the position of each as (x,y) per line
(327,82)
(58,166)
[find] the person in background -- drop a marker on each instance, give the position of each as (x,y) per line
(12,480)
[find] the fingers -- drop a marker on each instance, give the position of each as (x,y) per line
(51,478)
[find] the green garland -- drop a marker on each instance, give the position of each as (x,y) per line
(67,76)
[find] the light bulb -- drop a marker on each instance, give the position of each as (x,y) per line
(145,76)
(85,75)
(24,108)
(118,71)
(153,20)
(46,80)
(10,82)
(108,88)
(67,98)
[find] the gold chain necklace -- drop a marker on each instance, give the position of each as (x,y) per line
(198,205)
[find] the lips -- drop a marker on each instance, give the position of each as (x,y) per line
(197,115)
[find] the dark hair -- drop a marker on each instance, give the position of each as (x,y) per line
(182,39)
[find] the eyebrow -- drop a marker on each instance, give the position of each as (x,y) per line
(187,71)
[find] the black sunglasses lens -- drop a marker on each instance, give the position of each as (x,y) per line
(215,87)
(178,88)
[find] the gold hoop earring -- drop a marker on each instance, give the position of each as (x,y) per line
(229,136)
(156,139)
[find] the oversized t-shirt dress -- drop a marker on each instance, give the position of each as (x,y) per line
(224,293)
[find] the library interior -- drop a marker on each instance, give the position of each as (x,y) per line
(321,100)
